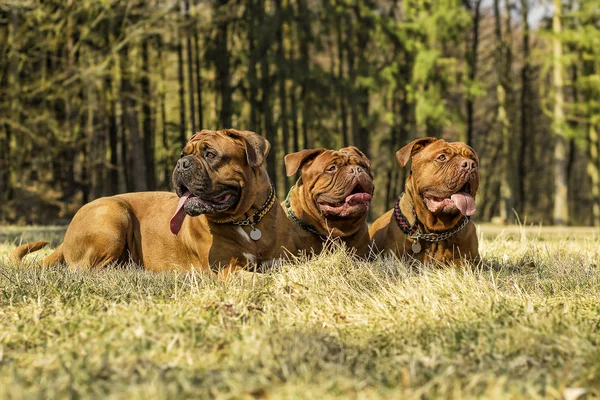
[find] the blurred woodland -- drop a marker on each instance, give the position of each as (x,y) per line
(97,97)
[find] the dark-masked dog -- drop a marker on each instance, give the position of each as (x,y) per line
(331,198)
(430,221)
(226,215)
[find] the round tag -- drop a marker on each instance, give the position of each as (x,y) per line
(255,234)
(416,247)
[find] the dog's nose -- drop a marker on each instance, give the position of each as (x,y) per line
(356,170)
(468,165)
(184,164)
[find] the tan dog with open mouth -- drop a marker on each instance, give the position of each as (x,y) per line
(430,221)
(331,198)
(221,182)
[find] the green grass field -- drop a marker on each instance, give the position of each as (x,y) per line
(524,324)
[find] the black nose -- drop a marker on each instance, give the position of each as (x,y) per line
(468,165)
(184,164)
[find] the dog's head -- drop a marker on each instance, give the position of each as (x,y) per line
(216,173)
(444,176)
(337,186)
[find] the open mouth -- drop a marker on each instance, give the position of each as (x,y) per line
(356,203)
(193,205)
(462,201)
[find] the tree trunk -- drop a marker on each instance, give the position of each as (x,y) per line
(252,76)
(162,99)
(352,81)
(128,95)
(560,214)
(471,58)
(341,83)
(185,11)
(593,171)
(181,79)
(198,77)
(503,91)
(222,63)
(304,39)
(6,159)
(113,138)
(282,65)
(149,136)
(267,111)
(525,109)
(364,133)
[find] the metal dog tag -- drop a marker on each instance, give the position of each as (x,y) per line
(416,247)
(255,234)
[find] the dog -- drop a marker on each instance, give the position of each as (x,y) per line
(431,220)
(331,198)
(224,215)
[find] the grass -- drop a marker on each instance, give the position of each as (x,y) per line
(525,324)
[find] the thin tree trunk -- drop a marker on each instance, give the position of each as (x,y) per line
(593,171)
(282,65)
(342,83)
(394,134)
(503,67)
(113,138)
(560,213)
(266,87)
(185,11)
(222,63)
(198,77)
(525,109)
(294,96)
(162,99)
(149,136)
(252,76)
(181,79)
(304,39)
(138,158)
(364,133)
(7,193)
(352,82)
(471,56)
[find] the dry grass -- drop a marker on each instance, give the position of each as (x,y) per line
(524,324)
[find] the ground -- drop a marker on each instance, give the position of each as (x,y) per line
(524,324)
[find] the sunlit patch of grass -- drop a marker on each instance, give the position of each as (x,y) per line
(523,324)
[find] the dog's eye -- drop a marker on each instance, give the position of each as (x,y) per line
(182,155)
(331,168)
(442,157)
(209,155)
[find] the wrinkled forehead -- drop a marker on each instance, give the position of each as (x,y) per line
(214,140)
(342,156)
(450,148)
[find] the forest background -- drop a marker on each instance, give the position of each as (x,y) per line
(98,97)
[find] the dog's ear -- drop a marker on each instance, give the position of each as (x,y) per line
(294,161)
(354,149)
(257,147)
(405,153)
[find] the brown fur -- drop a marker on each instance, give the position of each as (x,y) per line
(352,168)
(135,227)
(428,174)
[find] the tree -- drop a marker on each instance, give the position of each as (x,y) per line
(560,215)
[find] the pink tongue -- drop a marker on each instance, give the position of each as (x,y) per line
(179,216)
(465,203)
(358,198)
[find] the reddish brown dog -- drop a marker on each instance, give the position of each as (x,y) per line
(431,220)
(331,198)
(226,216)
